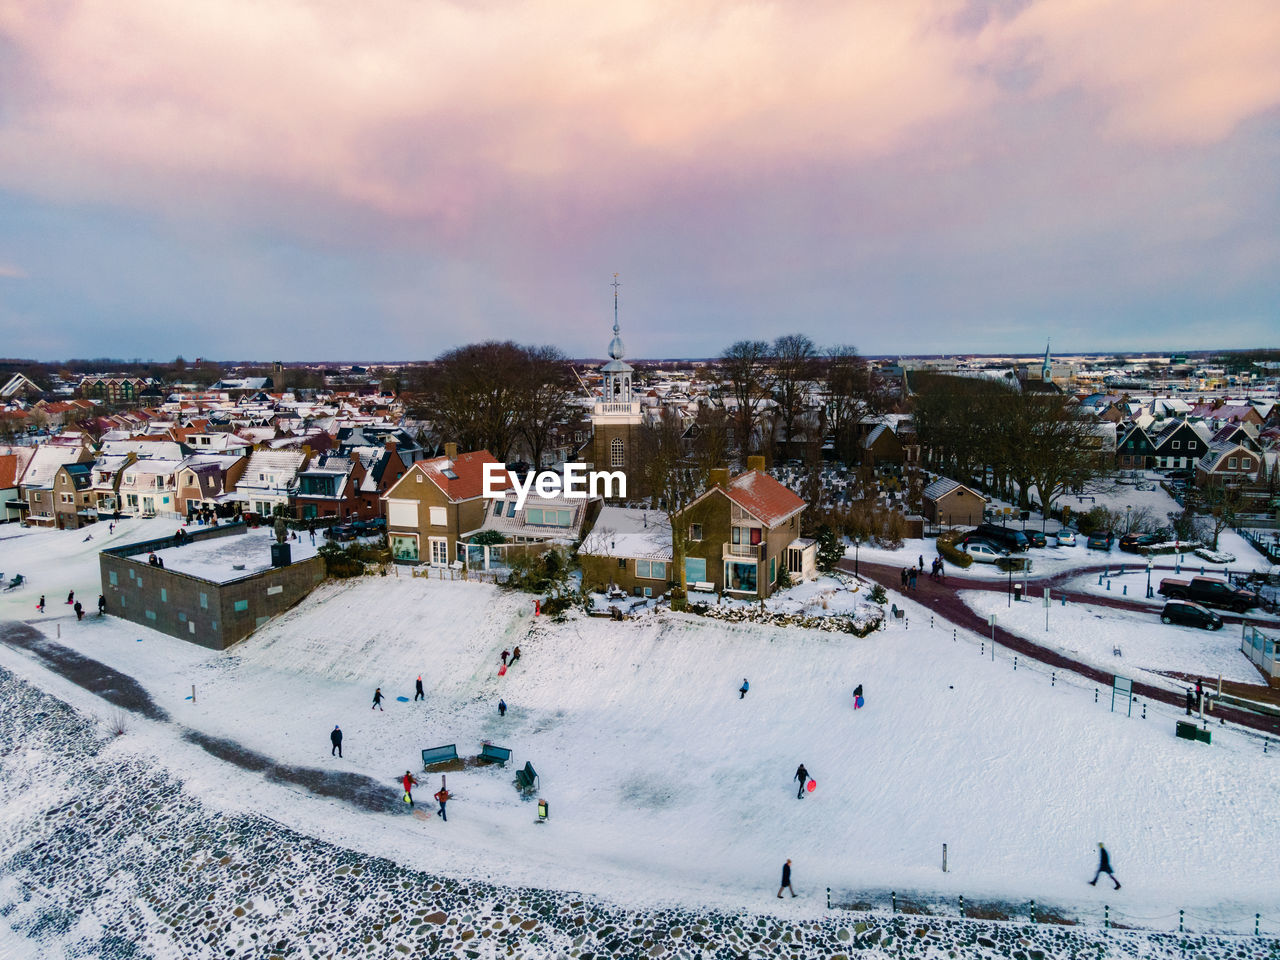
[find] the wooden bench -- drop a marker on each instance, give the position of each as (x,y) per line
(439,754)
(494,754)
(703,586)
(527,778)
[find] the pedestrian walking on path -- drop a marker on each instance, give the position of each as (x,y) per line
(505,654)
(502,708)
(40,607)
(1104,866)
(71,598)
(417,686)
(377,700)
(409,781)
(102,605)
(857,697)
(742,690)
(335,737)
(442,797)
(803,776)
(786,880)
(515,655)
(79,611)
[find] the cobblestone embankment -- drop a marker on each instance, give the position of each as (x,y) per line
(107,858)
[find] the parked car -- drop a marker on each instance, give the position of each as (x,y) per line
(1137,542)
(1179,476)
(1036,539)
(1211,591)
(1066,538)
(983,551)
(1190,614)
(341,531)
(1012,540)
(1099,540)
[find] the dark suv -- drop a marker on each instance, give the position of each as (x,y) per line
(1014,540)
(1137,542)
(1190,614)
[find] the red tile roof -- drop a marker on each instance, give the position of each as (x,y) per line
(9,470)
(763,497)
(468,469)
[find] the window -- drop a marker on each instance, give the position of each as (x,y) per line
(534,515)
(651,569)
(241,606)
(164,595)
(740,577)
(795,561)
(773,569)
(1231,463)
(695,570)
(511,509)
(648,591)
(497,508)
(622,564)
(204,601)
(695,532)
(151,614)
(111,576)
(438,517)
(439,551)
(617,456)
(1177,444)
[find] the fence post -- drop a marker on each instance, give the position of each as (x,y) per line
(1144,711)
(1180,915)
(1257,919)
(1053,678)
(962,906)
(944,858)
(828,898)
(1095,694)
(1106,916)
(1033,911)
(953,634)
(982,650)
(893,901)
(1015,662)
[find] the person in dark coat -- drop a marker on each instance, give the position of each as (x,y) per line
(786,880)
(1191,701)
(377,700)
(71,598)
(904,576)
(502,708)
(742,690)
(515,655)
(409,781)
(803,776)
(40,607)
(505,654)
(102,605)
(857,693)
(335,737)
(442,797)
(921,560)
(1104,866)
(79,611)
(417,687)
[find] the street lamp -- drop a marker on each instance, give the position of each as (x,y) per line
(857,542)
(1149,559)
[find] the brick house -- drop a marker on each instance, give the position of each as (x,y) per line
(434,503)
(104,483)
(950,502)
(205,478)
(36,487)
(1178,445)
(72,498)
(13,463)
(739,534)
(349,485)
(1134,450)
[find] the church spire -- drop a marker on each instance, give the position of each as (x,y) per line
(1046,369)
(617,372)
(616,350)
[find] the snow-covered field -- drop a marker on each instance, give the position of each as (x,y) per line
(664,786)
(1147,647)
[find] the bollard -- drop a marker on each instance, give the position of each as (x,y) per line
(962,906)
(59,631)
(1053,679)
(1257,919)
(1144,711)
(1095,694)
(1108,584)
(1264,745)
(1180,913)
(893,901)
(944,858)
(828,898)
(1033,911)
(1015,663)
(1064,601)
(1106,916)
(953,634)
(1099,579)
(931,621)
(982,650)
(1125,591)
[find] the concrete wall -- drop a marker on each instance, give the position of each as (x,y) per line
(192,608)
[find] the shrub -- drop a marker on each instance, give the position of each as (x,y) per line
(488,538)
(557,607)
(338,563)
(878,594)
(830,549)
(947,547)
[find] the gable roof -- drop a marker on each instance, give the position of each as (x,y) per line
(763,497)
(945,485)
(45,463)
(461,478)
(1219,452)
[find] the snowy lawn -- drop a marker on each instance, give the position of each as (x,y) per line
(664,786)
(1147,646)
(56,561)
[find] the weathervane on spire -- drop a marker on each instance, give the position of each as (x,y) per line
(615,286)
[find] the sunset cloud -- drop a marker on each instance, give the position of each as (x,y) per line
(513,137)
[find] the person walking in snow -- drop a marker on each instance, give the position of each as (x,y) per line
(40,607)
(515,655)
(409,781)
(71,597)
(742,690)
(79,611)
(786,880)
(417,686)
(111,528)
(335,737)
(1104,866)
(803,776)
(911,578)
(505,654)
(921,562)
(502,708)
(857,696)
(442,797)
(377,700)
(1191,700)
(904,576)
(102,605)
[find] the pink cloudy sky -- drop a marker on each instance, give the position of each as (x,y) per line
(389,178)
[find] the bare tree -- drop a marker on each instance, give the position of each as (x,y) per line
(709,443)
(743,371)
(1218,505)
(795,365)
(544,391)
(850,391)
(672,486)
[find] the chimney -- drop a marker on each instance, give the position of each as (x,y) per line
(755,463)
(719,477)
(451,451)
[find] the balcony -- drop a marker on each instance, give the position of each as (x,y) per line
(744,551)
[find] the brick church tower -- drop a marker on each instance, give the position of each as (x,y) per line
(616,420)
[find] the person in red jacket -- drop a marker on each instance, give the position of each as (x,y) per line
(409,782)
(442,797)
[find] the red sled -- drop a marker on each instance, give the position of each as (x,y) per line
(857,703)
(502,670)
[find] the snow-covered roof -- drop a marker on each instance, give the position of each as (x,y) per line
(502,515)
(625,532)
(945,485)
(45,463)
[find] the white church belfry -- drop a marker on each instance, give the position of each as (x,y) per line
(616,417)
(617,372)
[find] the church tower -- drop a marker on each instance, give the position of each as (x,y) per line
(616,420)
(1046,369)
